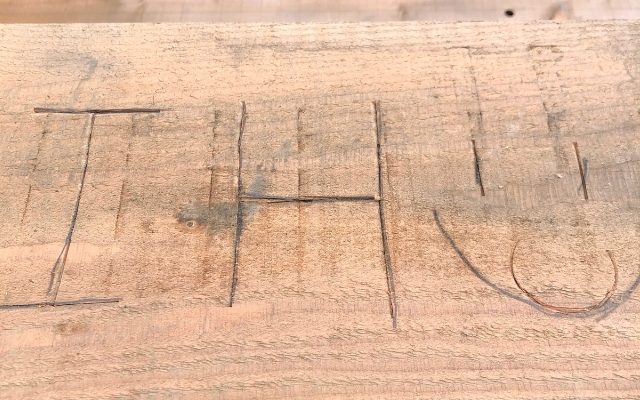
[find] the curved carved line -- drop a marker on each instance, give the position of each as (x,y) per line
(605,309)
(561,309)
(472,268)
(621,298)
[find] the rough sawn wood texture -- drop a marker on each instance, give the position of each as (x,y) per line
(402,210)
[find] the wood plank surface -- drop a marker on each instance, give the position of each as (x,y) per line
(398,210)
(59,11)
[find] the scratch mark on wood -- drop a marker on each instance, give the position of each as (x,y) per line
(553,127)
(38,150)
(476,93)
(477,124)
(554,130)
(33,169)
(300,144)
(560,309)
(205,259)
(26,206)
(300,226)
(119,213)
(123,187)
(236,242)
(583,177)
(542,46)
(391,288)
(299,150)
(58,267)
(214,127)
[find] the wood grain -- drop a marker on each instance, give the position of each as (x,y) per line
(65,11)
(399,210)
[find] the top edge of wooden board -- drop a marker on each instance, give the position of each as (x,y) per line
(297,11)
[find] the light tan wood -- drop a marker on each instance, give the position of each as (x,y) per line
(415,210)
(57,11)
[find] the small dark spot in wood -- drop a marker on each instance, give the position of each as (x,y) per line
(553,120)
(147,226)
(70,328)
(403,11)
(214,217)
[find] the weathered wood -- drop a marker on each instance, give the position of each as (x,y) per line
(391,210)
(58,11)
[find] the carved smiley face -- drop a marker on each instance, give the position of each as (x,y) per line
(563,260)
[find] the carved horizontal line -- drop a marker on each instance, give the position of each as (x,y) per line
(60,303)
(308,199)
(43,110)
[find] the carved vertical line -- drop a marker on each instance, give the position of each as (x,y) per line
(236,242)
(58,268)
(476,158)
(391,288)
(583,178)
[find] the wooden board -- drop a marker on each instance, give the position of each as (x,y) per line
(439,211)
(57,11)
